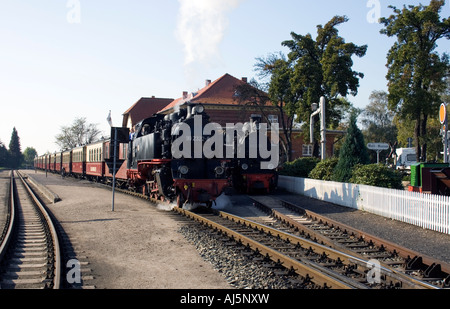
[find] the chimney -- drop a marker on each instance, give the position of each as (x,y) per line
(208,82)
(244,79)
(185,95)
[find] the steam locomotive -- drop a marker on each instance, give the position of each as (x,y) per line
(168,173)
(174,158)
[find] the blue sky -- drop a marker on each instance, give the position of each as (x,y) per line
(62,59)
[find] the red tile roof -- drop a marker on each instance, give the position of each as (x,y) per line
(220,91)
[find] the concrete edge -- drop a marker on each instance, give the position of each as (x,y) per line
(49,194)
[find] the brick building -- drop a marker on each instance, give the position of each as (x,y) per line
(221,102)
(142,109)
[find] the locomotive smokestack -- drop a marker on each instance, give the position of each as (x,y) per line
(189,111)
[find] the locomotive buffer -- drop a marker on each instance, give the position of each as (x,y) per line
(118,136)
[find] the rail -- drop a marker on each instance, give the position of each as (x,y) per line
(13,224)
(358,243)
(10,218)
(425,210)
(329,268)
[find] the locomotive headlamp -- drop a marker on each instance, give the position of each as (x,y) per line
(244,166)
(219,170)
(198,109)
(183,169)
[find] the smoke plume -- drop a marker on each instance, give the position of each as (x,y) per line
(201,27)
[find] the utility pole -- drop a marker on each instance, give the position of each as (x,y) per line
(444,121)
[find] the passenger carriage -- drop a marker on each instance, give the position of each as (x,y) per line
(79,161)
(66,167)
(95,167)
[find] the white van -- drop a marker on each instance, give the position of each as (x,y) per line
(405,157)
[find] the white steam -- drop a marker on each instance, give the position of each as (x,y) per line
(201,27)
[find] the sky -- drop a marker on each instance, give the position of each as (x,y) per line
(63,59)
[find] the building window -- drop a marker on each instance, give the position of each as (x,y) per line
(273,118)
(307,150)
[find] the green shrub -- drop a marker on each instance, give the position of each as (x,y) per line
(352,152)
(376,175)
(324,169)
(300,167)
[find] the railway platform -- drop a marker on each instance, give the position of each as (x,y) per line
(133,247)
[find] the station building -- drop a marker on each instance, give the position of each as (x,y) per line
(222,103)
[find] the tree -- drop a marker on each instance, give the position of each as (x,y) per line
(78,134)
(15,154)
(415,70)
(314,68)
(352,152)
(378,121)
(4,155)
(278,97)
(29,154)
(323,67)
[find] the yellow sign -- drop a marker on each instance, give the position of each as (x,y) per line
(443,113)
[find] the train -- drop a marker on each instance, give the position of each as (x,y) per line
(172,158)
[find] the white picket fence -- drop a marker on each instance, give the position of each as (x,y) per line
(425,210)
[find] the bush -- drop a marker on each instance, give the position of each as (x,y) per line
(299,168)
(376,175)
(324,169)
(352,152)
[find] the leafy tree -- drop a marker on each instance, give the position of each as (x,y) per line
(314,68)
(29,154)
(323,67)
(378,123)
(415,70)
(352,152)
(378,119)
(78,134)
(273,96)
(15,153)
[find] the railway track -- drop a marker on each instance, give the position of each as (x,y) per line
(401,261)
(317,265)
(344,258)
(29,252)
(324,253)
